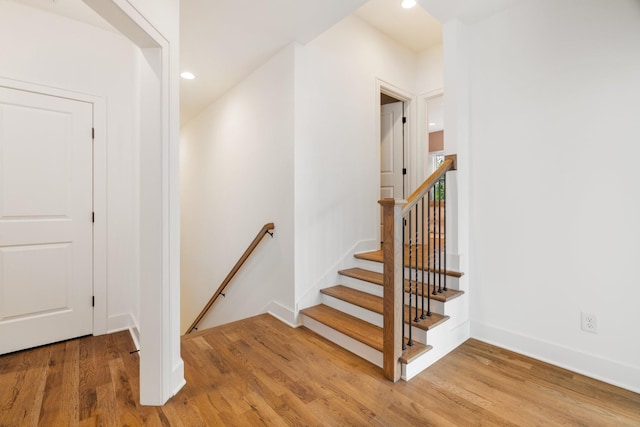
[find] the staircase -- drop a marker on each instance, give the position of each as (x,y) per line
(393,306)
(351,315)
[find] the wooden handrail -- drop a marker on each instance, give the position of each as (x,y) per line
(393,213)
(265,229)
(393,292)
(449,164)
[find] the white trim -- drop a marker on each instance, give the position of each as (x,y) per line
(161,368)
(120,322)
(410,141)
(283,314)
(422,131)
(606,370)
(100,320)
(135,336)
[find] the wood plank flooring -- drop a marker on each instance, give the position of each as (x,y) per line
(261,372)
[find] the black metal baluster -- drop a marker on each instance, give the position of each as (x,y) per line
(444,223)
(432,265)
(410,342)
(416,319)
(423,315)
(404,226)
(439,241)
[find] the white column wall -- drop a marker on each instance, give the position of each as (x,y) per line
(237,175)
(430,77)
(554,183)
(157,24)
(337,156)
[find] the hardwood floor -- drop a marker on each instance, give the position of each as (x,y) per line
(261,372)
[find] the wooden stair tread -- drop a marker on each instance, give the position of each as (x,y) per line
(360,330)
(376,256)
(353,327)
(355,297)
(374,303)
(412,352)
(443,296)
(362,274)
(377,279)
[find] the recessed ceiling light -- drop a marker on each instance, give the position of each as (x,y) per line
(187,75)
(408,4)
(432,124)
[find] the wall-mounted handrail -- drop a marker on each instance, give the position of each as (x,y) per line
(266,229)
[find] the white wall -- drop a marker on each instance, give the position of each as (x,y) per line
(46,49)
(430,63)
(554,183)
(429,83)
(337,156)
(237,175)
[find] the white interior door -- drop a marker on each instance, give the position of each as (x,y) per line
(391,152)
(46,246)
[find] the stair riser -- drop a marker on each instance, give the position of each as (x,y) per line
(419,335)
(376,319)
(353,310)
(361,285)
(452,282)
(436,306)
(368,265)
(453,308)
(356,347)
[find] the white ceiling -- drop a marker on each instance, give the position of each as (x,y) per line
(222,41)
(413,28)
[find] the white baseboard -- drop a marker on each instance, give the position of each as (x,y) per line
(135,336)
(609,371)
(120,322)
(177,377)
(283,314)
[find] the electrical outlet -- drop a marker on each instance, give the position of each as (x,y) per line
(589,322)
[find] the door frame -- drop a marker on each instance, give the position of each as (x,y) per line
(99,190)
(423,133)
(409,139)
(409,101)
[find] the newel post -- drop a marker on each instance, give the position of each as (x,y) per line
(393,287)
